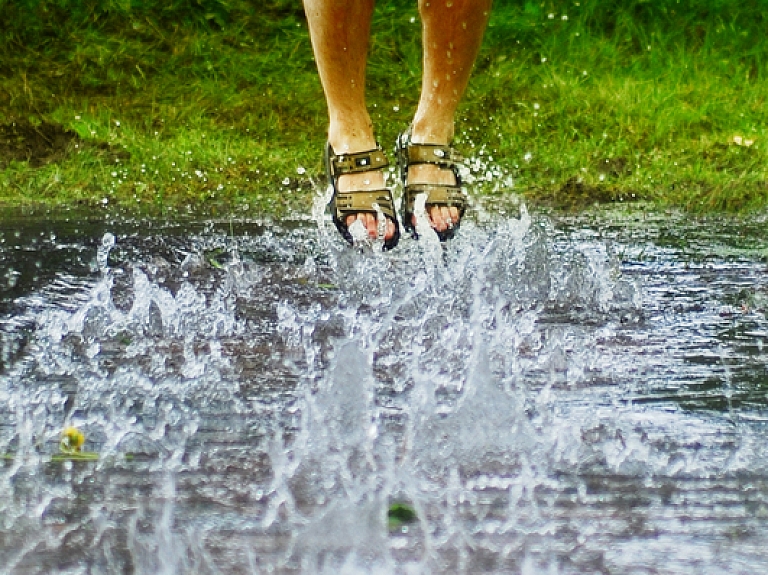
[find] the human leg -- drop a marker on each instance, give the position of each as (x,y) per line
(452,33)
(340,30)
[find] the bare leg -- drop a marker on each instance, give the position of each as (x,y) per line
(340,30)
(452,33)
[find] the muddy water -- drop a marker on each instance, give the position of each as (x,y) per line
(548,394)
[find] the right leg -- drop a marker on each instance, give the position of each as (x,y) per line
(340,30)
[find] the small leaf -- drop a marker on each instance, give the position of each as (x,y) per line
(399,514)
(81,456)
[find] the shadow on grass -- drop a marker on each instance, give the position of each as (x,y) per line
(45,143)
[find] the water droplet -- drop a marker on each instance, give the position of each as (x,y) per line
(102,253)
(358,231)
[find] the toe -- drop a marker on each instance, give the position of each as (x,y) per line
(448,218)
(371,224)
(438,215)
(389,230)
(443,217)
(453,214)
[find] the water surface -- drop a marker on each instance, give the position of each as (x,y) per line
(549,394)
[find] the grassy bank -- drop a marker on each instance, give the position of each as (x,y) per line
(215,105)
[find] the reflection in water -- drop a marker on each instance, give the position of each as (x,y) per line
(580,396)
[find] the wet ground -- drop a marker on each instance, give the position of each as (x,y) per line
(548,394)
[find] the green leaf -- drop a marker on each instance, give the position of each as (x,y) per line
(81,456)
(400,514)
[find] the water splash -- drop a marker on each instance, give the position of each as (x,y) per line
(261,411)
(102,254)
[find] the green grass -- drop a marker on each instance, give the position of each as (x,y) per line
(215,105)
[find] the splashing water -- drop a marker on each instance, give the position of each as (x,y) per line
(547,398)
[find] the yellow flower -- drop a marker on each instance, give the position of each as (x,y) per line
(72,439)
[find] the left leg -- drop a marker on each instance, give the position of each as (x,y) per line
(452,33)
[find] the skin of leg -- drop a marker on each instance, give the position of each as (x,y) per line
(340,30)
(452,33)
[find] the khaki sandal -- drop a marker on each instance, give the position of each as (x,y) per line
(409,154)
(344,204)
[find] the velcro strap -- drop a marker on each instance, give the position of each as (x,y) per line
(445,156)
(358,201)
(450,196)
(359,162)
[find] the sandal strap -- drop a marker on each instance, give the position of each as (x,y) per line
(357,201)
(437,154)
(357,162)
(443,195)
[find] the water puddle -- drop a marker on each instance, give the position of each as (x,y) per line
(546,395)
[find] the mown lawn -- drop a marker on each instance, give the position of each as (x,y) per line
(215,105)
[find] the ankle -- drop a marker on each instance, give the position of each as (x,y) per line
(343,146)
(349,138)
(432,132)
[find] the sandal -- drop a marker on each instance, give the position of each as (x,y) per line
(345,204)
(450,195)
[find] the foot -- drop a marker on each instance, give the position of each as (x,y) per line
(431,168)
(441,218)
(360,195)
(367,181)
